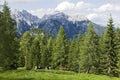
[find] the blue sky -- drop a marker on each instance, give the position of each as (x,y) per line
(96,10)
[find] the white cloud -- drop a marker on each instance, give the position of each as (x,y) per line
(100,14)
(108,7)
(81,5)
(92,16)
(65,6)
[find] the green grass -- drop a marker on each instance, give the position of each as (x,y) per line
(22,74)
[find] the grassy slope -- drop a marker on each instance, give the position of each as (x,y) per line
(50,75)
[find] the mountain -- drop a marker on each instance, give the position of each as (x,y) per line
(25,21)
(52,22)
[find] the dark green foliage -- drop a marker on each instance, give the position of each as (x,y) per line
(36,50)
(8,41)
(117,45)
(89,54)
(74,55)
(43,51)
(117,48)
(80,44)
(49,51)
(109,57)
(60,50)
(25,47)
(21,59)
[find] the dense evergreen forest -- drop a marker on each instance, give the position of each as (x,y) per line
(89,53)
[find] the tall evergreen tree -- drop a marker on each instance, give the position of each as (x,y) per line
(1,38)
(108,57)
(21,59)
(49,51)
(73,56)
(9,45)
(25,47)
(90,53)
(43,45)
(60,50)
(36,50)
(117,45)
(80,44)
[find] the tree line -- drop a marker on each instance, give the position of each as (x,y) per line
(89,53)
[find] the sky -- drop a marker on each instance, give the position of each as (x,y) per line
(97,11)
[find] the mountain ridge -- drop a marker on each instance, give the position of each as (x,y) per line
(52,22)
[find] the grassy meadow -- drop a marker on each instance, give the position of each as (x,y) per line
(22,74)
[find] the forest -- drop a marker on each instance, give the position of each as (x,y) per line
(88,53)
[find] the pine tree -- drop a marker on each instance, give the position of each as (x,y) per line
(117,45)
(80,45)
(43,45)
(60,50)
(73,56)
(36,50)
(25,47)
(108,57)
(49,51)
(21,59)
(9,44)
(1,38)
(90,51)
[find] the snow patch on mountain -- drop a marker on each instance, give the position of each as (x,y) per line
(24,15)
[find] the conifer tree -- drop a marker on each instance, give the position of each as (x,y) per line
(49,51)
(80,45)
(90,51)
(73,56)
(117,45)
(25,47)
(60,50)
(109,57)
(21,59)
(43,51)
(9,44)
(36,50)
(1,38)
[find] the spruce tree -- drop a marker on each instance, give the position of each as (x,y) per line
(36,50)
(90,52)
(43,51)
(49,51)
(60,50)
(8,37)
(1,38)
(109,58)
(117,45)
(21,59)
(25,47)
(73,56)
(80,45)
